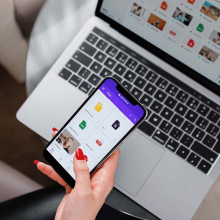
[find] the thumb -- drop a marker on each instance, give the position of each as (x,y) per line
(81,170)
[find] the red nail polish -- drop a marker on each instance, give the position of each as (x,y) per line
(54,129)
(85,158)
(79,154)
(36,162)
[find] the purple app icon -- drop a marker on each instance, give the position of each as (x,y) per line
(116,125)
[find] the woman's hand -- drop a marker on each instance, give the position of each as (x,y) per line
(89,194)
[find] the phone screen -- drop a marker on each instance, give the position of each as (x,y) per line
(97,127)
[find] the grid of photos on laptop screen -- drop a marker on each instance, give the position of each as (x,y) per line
(187,29)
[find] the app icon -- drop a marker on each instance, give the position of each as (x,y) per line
(200,28)
(164,6)
(99,143)
(191,43)
(191,1)
(98,107)
(116,124)
(82,125)
(173,33)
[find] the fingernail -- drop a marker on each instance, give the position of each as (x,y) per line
(85,158)
(79,154)
(36,162)
(54,129)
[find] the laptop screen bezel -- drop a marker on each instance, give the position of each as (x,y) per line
(196,76)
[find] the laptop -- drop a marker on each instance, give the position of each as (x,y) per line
(167,54)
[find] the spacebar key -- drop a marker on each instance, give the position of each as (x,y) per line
(147,128)
(204,152)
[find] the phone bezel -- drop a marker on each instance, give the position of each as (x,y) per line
(55,164)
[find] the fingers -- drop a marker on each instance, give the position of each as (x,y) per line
(111,164)
(54,133)
(51,173)
(82,173)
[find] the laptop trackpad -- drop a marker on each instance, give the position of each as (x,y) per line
(139,156)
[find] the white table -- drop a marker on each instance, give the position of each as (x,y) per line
(57,24)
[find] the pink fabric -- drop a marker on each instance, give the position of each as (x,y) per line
(26,13)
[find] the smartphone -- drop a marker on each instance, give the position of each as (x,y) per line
(98,127)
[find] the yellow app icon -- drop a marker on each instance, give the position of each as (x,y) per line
(98,107)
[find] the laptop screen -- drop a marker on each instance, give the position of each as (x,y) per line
(188,30)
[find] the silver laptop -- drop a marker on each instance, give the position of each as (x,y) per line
(167,54)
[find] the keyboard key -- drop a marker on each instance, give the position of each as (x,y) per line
(191,116)
(82,58)
(212,129)
(217,147)
(92,90)
(136,93)
(100,56)
(161,83)
(183,152)
(204,166)
(110,63)
(105,73)
(186,140)
(131,64)
(102,45)
(198,134)
(130,76)
(112,51)
(156,106)
(84,73)
(167,113)
(209,141)
(85,87)
(182,96)
(188,127)
(75,80)
(192,103)
(181,109)
(172,145)
(202,109)
(119,69)
(150,89)
(92,38)
(166,126)
(202,123)
(193,159)
(127,85)
(140,83)
(151,76)
(96,67)
(121,57)
(141,70)
(213,116)
(74,66)
(172,90)
(65,74)
(90,50)
(94,79)
(147,128)
(204,152)
(177,120)
(160,96)
(176,133)
(160,137)
(155,119)
(170,102)
(117,77)
(146,100)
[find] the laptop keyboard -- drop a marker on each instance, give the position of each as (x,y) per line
(180,119)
